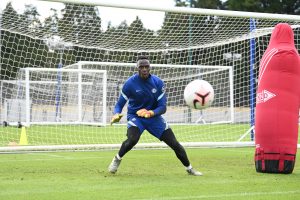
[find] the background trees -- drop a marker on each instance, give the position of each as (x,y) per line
(23,36)
(291,7)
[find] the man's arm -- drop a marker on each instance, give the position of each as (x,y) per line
(161,100)
(161,106)
(118,108)
(120,103)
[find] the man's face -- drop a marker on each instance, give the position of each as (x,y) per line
(144,68)
(144,71)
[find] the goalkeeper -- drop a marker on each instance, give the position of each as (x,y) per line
(146,98)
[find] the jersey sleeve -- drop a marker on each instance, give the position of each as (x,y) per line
(161,100)
(123,98)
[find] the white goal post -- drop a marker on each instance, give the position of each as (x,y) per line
(61,76)
(221,77)
(48,96)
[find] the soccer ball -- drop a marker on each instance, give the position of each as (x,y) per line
(199,94)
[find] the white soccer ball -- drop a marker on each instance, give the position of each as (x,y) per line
(199,94)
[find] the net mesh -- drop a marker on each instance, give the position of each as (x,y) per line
(184,47)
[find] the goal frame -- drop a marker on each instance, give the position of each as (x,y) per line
(248,15)
(79,69)
(215,68)
(27,82)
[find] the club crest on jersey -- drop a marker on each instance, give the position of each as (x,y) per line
(153,90)
(264,96)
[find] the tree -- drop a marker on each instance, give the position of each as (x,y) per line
(209,4)
(266,6)
(50,27)
(30,20)
(134,36)
(19,50)
(136,25)
(80,24)
(9,21)
(10,17)
(141,36)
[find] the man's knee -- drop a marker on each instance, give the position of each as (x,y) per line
(169,138)
(133,135)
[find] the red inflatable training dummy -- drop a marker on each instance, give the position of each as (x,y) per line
(277,104)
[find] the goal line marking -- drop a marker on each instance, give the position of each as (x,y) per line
(242,194)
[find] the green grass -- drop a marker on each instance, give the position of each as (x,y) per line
(144,175)
(71,134)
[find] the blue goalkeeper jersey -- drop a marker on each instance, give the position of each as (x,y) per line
(140,93)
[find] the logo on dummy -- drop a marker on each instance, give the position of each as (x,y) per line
(264,96)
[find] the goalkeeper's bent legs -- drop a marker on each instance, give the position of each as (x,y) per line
(169,138)
(133,136)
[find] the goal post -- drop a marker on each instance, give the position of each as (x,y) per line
(34,97)
(62,75)
(176,77)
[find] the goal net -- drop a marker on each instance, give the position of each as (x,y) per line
(176,77)
(49,96)
(61,74)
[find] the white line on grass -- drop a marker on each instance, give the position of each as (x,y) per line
(53,155)
(50,157)
(236,150)
(220,196)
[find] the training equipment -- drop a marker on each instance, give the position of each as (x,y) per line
(277,105)
(61,76)
(23,137)
(199,94)
(145,113)
(116,118)
(141,112)
(149,114)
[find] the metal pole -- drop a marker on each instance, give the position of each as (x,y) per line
(252,79)
(190,36)
(58,90)
(0,51)
(27,98)
(190,57)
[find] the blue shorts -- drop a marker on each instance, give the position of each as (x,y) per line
(154,125)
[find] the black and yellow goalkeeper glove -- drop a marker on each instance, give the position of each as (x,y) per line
(145,113)
(116,118)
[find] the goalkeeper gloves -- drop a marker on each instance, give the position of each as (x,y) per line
(145,113)
(116,118)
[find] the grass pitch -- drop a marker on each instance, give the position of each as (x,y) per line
(72,134)
(229,173)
